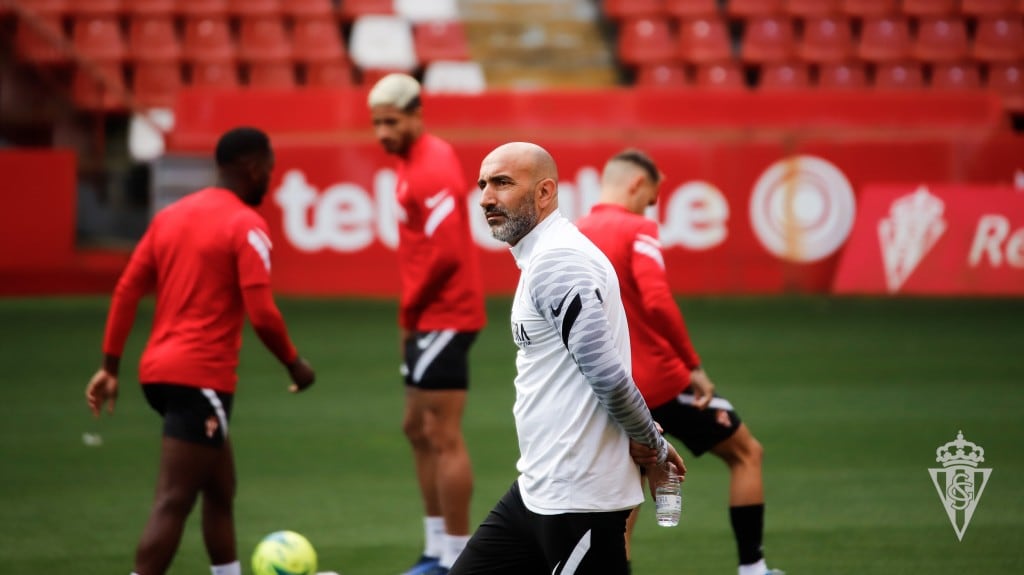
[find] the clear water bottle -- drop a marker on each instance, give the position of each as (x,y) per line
(668,498)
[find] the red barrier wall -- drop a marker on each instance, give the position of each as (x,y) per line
(37,222)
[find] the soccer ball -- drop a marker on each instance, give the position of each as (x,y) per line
(284,553)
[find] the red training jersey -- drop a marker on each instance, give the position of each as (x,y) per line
(199,255)
(437,258)
(663,355)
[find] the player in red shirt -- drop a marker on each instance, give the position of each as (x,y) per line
(440,313)
(207,258)
(665,366)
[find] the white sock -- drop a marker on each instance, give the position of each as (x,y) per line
(433,528)
(234,568)
(453,546)
(759,568)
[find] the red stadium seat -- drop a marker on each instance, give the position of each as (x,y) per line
(151,7)
(940,39)
(156,84)
(999,39)
(196,8)
(208,39)
(278,75)
(768,39)
(329,74)
(47,7)
(41,46)
(352,9)
(842,76)
(634,9)
(646,41)
(440,41)
(307,8)
(153,39)
(370,76)
(744,9)
(99,88)
(661,76)
(988,7)
(1008,80)
(682,9)
(919,8)
(252,8)
(811,8)
(898,76)
(214,74)
(720,76)
(956,76)
(98,38)
(263,39)
(704,40)
(96,7)
(317,40)
(826,39)
(784,76)
(884,39)
(868,8)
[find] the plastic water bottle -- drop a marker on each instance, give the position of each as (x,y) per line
(668,499)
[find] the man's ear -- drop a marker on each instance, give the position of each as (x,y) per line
(634,184)
(547,193)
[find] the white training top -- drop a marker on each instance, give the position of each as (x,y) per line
(576,404)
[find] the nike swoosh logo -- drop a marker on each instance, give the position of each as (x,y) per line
(436,199)
(425,341)
(558,310)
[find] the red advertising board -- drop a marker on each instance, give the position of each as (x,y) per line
(935,240)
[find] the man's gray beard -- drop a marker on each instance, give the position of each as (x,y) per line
(516,225)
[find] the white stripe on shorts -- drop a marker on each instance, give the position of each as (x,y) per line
(218,408)
(576,557)
(716,402)
(434,343)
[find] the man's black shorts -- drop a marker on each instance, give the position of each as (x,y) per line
(699,430)
(191,414)
(438,359)
(513,540)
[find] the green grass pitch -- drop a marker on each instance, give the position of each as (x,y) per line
(850,398)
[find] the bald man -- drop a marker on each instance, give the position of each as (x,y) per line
(577,408)
(667,369)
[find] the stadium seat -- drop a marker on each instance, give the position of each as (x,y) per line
(440,40)
(382,43)
(263,39)
(743,9)
(153,39)
(920,8)
(661,76)
(370,76)
(884,39)
(784,76)
(329,73)
(620,10)
(898,76)
(683,9)
(98,88)
(417,11)
(42,45)
(308,8)
(151,7)
(454,77)
(95,7)
(646,41)
(987,7)
(726,75)
(704,40)
(352,9)
(156,84)
(999,39)
(46,7)
(317,40)
(868,8)
(1008,80)
(254,8)
(810,8)
(768,39)
(842,76)
(276,75)
(826,39)
(940,39)
(197,8)
(956,76)
(214,74)
(208,39)
(98,38)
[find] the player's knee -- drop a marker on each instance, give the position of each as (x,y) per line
(414,432)
(753,452)
(446,440)
(175,501)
